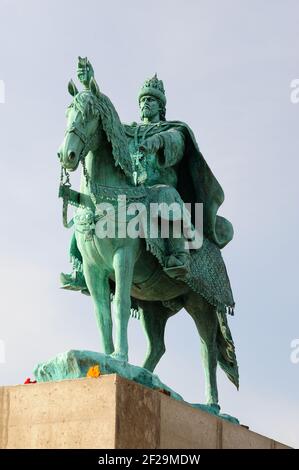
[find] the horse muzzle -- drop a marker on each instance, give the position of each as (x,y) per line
(70,160)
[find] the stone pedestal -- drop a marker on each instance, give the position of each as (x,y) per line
(111,412)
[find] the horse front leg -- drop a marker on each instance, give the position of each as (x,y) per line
(98,284)
(123,265)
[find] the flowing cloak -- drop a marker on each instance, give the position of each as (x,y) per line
(196,182)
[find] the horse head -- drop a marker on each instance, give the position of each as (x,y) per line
(82,133)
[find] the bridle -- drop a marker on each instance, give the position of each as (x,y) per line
(65,184)
(88,143)
(96,191)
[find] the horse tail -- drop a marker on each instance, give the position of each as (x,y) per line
(226,350)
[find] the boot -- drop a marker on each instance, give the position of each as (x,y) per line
(74,281)
(177,263)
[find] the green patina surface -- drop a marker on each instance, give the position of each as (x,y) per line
(160,161)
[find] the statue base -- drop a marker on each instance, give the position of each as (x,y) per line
(74,364)
(111,412)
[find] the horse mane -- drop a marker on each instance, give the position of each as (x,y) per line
(89,104)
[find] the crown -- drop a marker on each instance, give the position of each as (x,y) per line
(153,87)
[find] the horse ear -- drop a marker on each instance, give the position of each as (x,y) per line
(94,87)
(73,90)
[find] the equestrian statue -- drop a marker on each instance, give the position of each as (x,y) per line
(151,163)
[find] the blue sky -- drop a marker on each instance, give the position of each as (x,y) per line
(227,68)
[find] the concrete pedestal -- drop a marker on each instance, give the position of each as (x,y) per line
(112,413)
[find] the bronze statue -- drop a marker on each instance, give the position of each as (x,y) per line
(154,162)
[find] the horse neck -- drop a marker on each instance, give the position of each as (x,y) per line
(101,169)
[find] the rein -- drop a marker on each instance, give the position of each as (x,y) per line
(64,192)
(98,193)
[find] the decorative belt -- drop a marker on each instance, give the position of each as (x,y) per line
(98,194)
(110,192)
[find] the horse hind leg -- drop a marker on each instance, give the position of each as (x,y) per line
(205,318)
(153,317)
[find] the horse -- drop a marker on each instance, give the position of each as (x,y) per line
(95,137)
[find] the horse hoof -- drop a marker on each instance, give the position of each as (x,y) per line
(215,407)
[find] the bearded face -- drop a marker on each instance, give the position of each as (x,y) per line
(149,107)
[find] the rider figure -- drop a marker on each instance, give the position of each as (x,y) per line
(156,169)
(165,156)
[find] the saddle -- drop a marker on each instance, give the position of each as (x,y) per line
(206,273)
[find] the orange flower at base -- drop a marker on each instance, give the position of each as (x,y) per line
(94,371)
